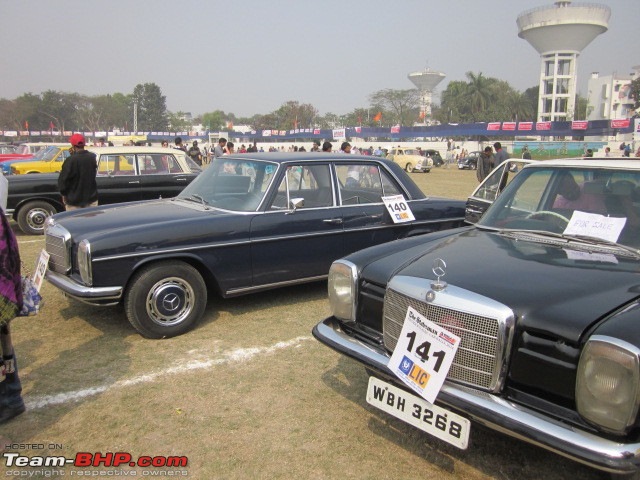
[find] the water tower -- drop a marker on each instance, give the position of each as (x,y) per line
(559,32)
(426,82)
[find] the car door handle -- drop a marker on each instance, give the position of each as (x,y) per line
(379,215)
(474,210)
(134,181)
(181,179)
(333,221)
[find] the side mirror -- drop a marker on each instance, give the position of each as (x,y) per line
(295,203)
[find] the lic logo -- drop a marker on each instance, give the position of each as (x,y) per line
(416,374)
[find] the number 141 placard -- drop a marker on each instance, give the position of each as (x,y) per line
(423,355)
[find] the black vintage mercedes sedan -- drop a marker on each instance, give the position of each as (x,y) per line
(249,222)
(527,322)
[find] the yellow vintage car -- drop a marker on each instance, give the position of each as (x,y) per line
(47,160)
(410,159)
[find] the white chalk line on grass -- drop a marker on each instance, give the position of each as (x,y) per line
(20,242)
(239,355)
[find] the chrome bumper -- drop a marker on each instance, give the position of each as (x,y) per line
(499,414)
(102,296)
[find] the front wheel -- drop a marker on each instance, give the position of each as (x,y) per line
(165,299)
(408,167)
(33,215)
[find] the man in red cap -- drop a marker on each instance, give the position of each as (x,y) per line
(77,180)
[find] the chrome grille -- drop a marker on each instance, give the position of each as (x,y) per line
(484,327)
(57,244)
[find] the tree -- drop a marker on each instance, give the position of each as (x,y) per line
(400,104)
(635,93)
(177,121)
(60,109)
(215,121)
(479,93)
(152,108)
(531,94)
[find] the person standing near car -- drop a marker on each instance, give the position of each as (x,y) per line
(195,153)
(179,145)
(11,403)
(77,180)
(219,149)
(485,164)
(501,155)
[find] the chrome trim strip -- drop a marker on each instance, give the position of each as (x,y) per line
(270,239)
(267,286)
(499,414)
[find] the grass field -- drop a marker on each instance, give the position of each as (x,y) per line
(248,394)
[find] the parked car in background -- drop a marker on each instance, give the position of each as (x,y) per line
(434,155)
(410,159)
(541,297)
(124,174)
(470,161)
(491,187)
(248,223)
(47,160)
(24,151)
(7,149)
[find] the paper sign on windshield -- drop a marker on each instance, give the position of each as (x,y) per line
(594,225)
(423,355)
(398,208)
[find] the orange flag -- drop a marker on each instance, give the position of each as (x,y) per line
(378,117)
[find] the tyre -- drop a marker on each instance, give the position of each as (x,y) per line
(165,299)
(408,167)
(33,215)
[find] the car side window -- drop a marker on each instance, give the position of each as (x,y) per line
(154,164)
(364,184)
(312,184)
(117,164)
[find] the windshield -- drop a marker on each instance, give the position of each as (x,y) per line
(46,153)
(573,201)
(231,184)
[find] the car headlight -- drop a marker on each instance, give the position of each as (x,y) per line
(84,261)
(342,289)
(607,384)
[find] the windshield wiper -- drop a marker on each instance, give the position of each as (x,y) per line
(197,197)
(568,238)
(600,241)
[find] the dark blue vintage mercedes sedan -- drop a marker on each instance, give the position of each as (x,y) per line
(249,222)
(527,322)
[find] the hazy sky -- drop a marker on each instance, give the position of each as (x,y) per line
(251,56)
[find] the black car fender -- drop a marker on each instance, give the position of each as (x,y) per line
(192,259)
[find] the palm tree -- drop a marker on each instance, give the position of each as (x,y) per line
(479,93)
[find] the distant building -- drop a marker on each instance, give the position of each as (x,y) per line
(608,96)
(559,32)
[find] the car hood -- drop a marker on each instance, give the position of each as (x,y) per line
(153,224)
(551,289)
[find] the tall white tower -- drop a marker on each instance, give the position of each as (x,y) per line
(426,81)
(559,33)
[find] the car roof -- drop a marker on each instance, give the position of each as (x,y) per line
(596,162)
(132,149)
(283,157)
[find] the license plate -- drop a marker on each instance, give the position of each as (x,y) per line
(434,420)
